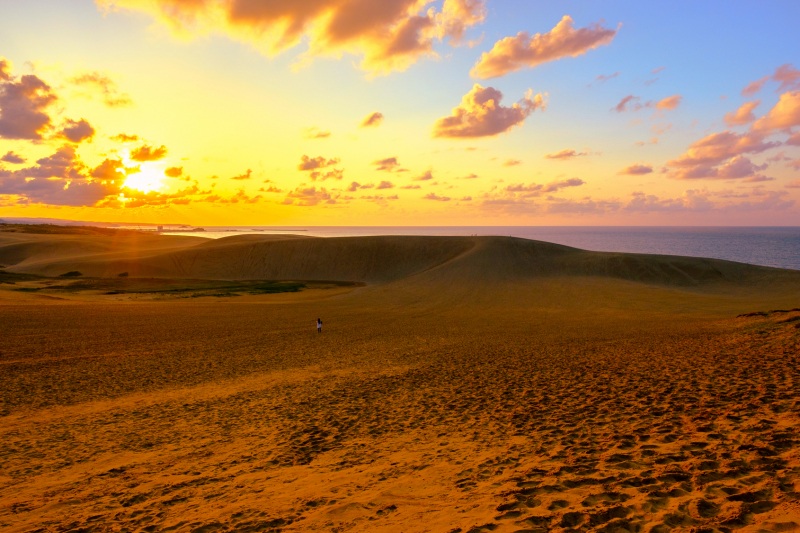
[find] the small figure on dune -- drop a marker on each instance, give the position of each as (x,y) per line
(319,326)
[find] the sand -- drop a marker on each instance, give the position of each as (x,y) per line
(463,384)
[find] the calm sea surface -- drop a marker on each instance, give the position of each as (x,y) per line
(769,246)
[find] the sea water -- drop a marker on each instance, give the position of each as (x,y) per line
(767,246)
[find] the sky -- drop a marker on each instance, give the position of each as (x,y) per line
(401,112)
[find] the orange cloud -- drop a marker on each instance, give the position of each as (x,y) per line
(754,87)
(174,172)
(512,162)
(565,154)
(148,153)
(125,138)
(794,140)
(427,176)
(372,120)
(718,147)
(481,115)
(390,35)
(5,69)
(787,77)
(636,170)
(385,185)
(515,53)
(743,115)
(670,102)
(245,176)
(785,114)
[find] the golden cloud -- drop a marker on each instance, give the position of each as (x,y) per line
(481,115)
(390,34)
(515,53)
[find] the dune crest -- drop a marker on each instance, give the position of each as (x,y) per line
(373,260)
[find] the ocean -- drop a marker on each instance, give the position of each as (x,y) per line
(767,246)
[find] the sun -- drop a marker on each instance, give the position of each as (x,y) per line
(146,180)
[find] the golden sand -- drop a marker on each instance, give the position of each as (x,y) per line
(465,384)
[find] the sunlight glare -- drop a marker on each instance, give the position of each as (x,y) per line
(146,180)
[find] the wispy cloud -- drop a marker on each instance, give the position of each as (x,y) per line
(523,50)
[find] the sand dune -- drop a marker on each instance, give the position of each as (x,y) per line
(473,385)
(362,259)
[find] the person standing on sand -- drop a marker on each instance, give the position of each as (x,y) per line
(319,326)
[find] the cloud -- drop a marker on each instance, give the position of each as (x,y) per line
(743,115)
(481,115)
(390,35)
(636,170)
(11,157)
(59,179)
(670,102)
(754,87)
(436,197)
(472,176)
(5,69)
(718,147)
(787,77)
(313,163)
(322,175)
(105,86)
(426,176)
(515,53)
(793,184)
(148,153)
(175,172)
(411,187)
(531,190)
(308,196)
(372,120)
(24,105)
(785,114)
(316,133)
(738,167)
(77,131)
(634,103)
(385,185)
(246,176)
(110,169)
(794,140)
(565,154)
(511,162)
(602,78)
(390,164)
(630,100)
(125,138)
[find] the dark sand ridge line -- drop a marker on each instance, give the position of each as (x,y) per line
(380,259)
(32,251)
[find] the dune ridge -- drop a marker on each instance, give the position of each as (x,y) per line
(378,259)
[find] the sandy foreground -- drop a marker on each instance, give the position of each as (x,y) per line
(438,398)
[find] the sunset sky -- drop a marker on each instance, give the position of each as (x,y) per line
(401,112)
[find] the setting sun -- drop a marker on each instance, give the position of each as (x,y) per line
(146,180)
